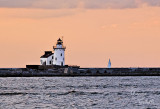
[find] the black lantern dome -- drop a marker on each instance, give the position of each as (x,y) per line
(59,42)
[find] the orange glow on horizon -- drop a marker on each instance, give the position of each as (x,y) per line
(129,37)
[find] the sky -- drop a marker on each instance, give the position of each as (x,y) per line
(94,31)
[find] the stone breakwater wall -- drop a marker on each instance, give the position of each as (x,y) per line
(73,71)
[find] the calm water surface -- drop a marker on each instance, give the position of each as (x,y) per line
(80,93)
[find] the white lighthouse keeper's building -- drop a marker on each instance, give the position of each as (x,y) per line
(59,53)
(47,58)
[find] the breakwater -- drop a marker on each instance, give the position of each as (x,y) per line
(76,71)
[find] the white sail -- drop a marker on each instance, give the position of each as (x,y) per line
(109,64)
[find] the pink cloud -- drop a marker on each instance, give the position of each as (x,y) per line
(88,4)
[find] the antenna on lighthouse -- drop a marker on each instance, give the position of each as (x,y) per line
(62,38)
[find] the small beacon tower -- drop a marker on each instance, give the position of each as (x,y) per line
(59,53)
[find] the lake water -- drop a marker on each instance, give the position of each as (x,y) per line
(80,93)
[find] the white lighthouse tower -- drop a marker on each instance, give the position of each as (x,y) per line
(59,53)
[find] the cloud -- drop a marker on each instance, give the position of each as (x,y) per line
(47,4)
(34,13)
(67,4)
(115,4)
(151,2)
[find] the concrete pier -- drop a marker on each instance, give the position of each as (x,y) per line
(76,71)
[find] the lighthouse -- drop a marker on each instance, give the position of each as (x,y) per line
(59,53)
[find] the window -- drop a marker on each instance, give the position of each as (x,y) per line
(56,59)
(61,54)
(50,62)
(52,57)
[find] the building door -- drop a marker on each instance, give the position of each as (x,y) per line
(61,63)
(44,63)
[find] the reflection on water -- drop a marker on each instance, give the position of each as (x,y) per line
(79,92)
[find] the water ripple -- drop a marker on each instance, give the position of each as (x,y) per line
(80,93)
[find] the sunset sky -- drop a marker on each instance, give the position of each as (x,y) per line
(126,31)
